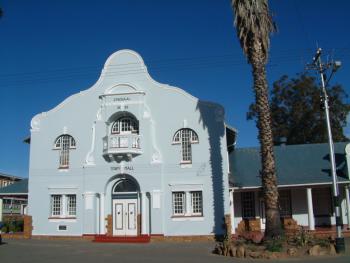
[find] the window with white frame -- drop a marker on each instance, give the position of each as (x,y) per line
(196,203)
(248,205)
(63,205)
(179,203)
(64,144)
(125,125)
(186,137)
(71,205)
(187,203)
(56,205)
(285,203)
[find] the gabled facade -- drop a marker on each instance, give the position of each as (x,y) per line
(127,157)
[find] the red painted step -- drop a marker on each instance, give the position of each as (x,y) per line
(119,239)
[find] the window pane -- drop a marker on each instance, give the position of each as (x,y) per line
(196,202)
(186,145)
(58,142)
(248,205)
(115,127)
(72,142)
(178,203)
(177,137)
(194,137)
(125,125)
(64,154)
(71,205)
(56,203)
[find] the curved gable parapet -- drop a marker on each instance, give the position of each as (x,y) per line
(120,74)
(128,63)
(123,63)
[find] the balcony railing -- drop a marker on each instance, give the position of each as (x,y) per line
(120,144)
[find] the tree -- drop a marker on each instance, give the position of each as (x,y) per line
(297,112)
(254,25)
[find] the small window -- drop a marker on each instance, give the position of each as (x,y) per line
(185,137)
(178,203)
(248,205)
(64,143)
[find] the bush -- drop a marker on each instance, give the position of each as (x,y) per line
(274,245)
(12,226)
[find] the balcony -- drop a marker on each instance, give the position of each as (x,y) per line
(122,145)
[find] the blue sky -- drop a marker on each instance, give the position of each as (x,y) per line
(52,49)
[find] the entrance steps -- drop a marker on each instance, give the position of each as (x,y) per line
(122,239)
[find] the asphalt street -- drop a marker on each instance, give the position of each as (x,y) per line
(52,251)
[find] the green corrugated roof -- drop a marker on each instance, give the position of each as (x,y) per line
(20,187)
(295,164)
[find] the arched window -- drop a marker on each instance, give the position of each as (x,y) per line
(125,185)
(64,143)
(186,137)
(125,125)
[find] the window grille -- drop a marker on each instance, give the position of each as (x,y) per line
(178,203)
(56,205)
(186,137)
(196,203)
(64,143)
(248,205)
(71,205)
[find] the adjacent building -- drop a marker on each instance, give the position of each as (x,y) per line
(13,196)
(304,183)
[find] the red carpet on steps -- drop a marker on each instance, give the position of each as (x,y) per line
(119,239)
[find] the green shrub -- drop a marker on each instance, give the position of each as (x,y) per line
(12,226)
(274,245)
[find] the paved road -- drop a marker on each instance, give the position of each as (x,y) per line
(52,251)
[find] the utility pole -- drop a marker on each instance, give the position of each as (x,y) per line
(321,68)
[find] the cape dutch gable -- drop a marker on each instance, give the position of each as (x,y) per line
(148,156)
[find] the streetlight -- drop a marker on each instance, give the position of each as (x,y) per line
(322,68)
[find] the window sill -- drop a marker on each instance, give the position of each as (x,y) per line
(62,219)
(63,169)
(188,218)
(186,164)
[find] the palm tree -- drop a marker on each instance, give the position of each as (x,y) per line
(254,25)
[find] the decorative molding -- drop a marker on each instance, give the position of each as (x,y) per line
(90,160)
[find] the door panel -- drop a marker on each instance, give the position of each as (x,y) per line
(131,216)
(119,216)
(125,217)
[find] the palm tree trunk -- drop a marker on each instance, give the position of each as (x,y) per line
(268,172)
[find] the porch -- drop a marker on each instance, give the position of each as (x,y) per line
(307,207)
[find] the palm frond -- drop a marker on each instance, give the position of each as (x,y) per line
(253,22)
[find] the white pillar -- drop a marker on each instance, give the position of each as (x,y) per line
(310,209)
(102,214)
(1,210)
(347,196)
(143,214)
(232,210)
